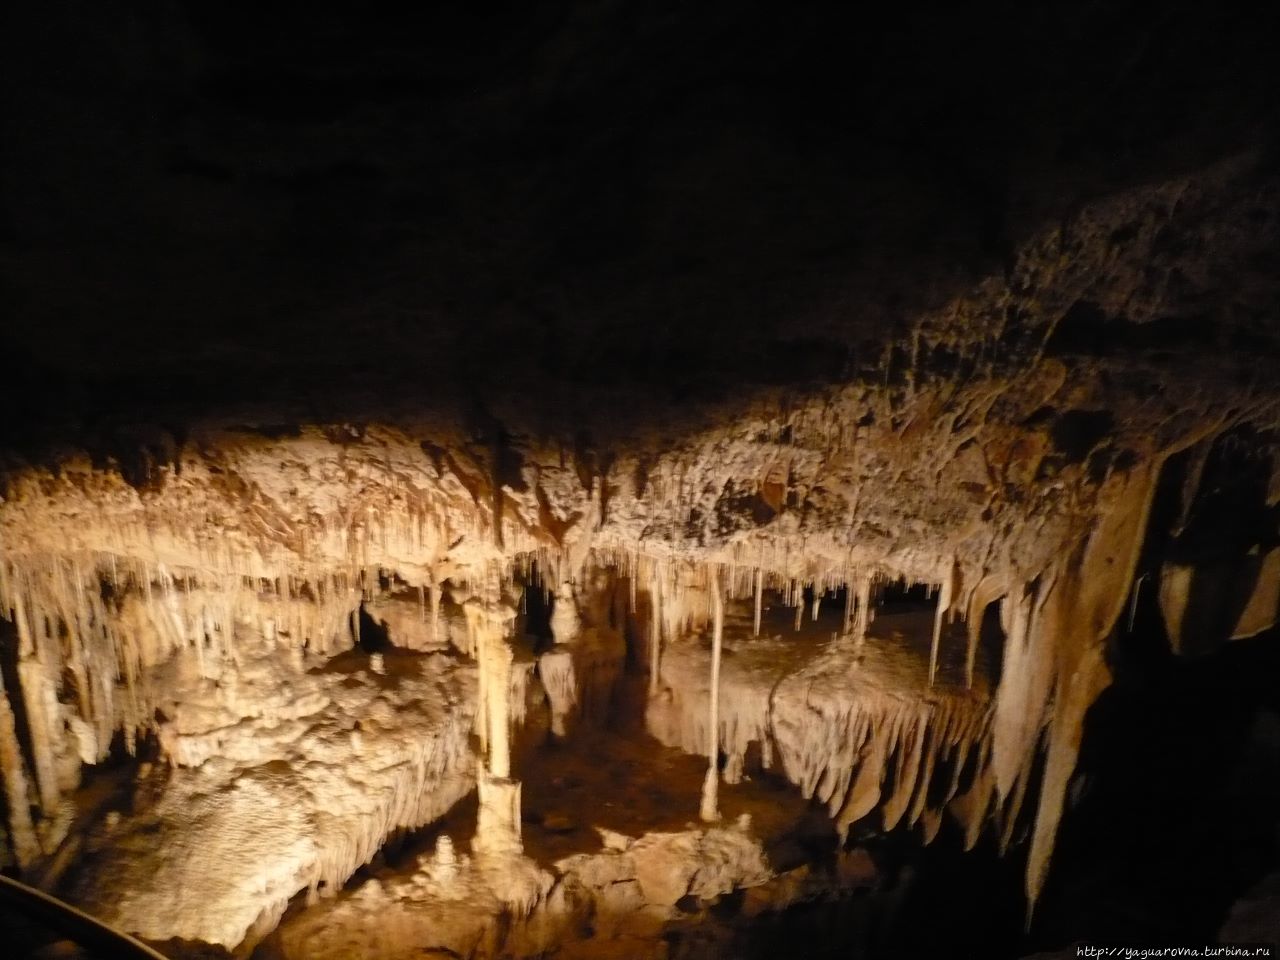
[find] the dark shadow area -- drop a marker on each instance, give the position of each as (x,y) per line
(452,205)
(1227,529)
(945,901)
(1176,797)
(1172,812)
(899,596)
(536,606)
(1087,330)
(372,635)
(991,640)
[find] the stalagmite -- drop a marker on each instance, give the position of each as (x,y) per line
(496,657)
(498,818)
(710,810)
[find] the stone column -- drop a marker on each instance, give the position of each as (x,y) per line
(498,818)
(711,785)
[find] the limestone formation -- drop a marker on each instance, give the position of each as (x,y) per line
(325,657)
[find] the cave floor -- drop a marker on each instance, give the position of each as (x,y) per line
(626,782)
(616,777)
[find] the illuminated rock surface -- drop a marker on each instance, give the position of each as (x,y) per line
(433,541)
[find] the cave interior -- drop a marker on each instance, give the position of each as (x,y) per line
(615,480)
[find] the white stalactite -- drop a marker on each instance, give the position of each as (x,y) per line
(759,602)
(862,618)
(655,631)
(986,591)
(943,606)
(1085,616)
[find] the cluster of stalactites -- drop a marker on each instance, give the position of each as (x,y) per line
(680,598)
(104,620)
(1055,622)
(90,630)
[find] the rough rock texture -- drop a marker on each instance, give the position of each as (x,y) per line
(858,728)
(622,901)
(1008,478)
(286,778)
(493,315)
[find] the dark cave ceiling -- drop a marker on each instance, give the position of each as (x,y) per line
(208,206)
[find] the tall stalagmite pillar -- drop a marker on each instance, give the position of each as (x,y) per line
(711,784)
(498,818)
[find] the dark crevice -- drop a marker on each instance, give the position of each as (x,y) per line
(373,634)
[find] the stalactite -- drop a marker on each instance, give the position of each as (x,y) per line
(987,590)
(910,759)
(633,575)
(40,702)
(943,606)
(655,632)
(169,601)
(862,619)
(1085,616)
(759,600)
(556,669)
(1025,682)
(848,605)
